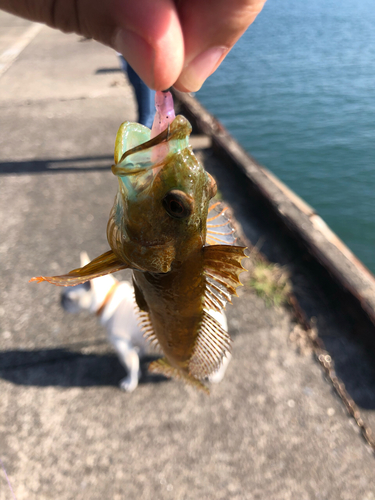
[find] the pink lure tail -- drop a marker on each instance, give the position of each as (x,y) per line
(164,112)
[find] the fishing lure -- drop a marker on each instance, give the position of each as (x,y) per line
(180,250)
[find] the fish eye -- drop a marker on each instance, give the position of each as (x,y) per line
(178,204)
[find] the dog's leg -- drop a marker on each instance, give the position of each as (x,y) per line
(129,358)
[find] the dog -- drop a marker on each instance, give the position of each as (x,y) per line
(114,303)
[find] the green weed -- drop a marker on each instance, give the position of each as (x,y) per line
(271,282)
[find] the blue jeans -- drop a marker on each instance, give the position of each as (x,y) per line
(144,95)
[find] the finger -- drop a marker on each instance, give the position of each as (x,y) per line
(210,29)
(146,32)
(150,38)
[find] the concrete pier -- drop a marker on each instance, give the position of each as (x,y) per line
(273,429)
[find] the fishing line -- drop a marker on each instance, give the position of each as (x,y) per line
(7,478)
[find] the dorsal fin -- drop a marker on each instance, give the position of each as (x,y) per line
(219,228)
(148,331)
(106,263)
(222,267)
(163,367)
(210,347)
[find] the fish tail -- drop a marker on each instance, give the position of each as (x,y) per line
(163,367)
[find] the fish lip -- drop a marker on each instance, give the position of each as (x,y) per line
(148,244)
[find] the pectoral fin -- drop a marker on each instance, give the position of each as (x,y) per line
(106,263)
(163,367)
(219,228)
(222,267)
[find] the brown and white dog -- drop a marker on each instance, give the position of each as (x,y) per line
(114,304)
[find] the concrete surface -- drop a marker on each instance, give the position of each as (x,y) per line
(271,430)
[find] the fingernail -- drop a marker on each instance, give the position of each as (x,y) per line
(200,68)
(137,52)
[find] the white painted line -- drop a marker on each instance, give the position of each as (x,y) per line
(8,57)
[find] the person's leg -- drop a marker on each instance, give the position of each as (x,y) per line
(144,95)
(145,99)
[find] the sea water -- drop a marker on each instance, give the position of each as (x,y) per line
(298,93)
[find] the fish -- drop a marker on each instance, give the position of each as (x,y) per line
(178,243)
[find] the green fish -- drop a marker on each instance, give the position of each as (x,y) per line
(180,249)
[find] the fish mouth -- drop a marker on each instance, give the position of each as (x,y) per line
(157,244)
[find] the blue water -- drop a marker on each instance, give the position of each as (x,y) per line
(298,92)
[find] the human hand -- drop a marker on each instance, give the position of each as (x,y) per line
(167,42)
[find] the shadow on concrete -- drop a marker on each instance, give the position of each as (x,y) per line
(64,368)
(102,71)
(355,366)
(57,165)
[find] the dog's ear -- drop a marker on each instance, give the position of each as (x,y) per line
(85,259)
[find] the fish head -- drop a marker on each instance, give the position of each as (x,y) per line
(160,212)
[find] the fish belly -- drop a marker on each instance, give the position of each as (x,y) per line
(174,302)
